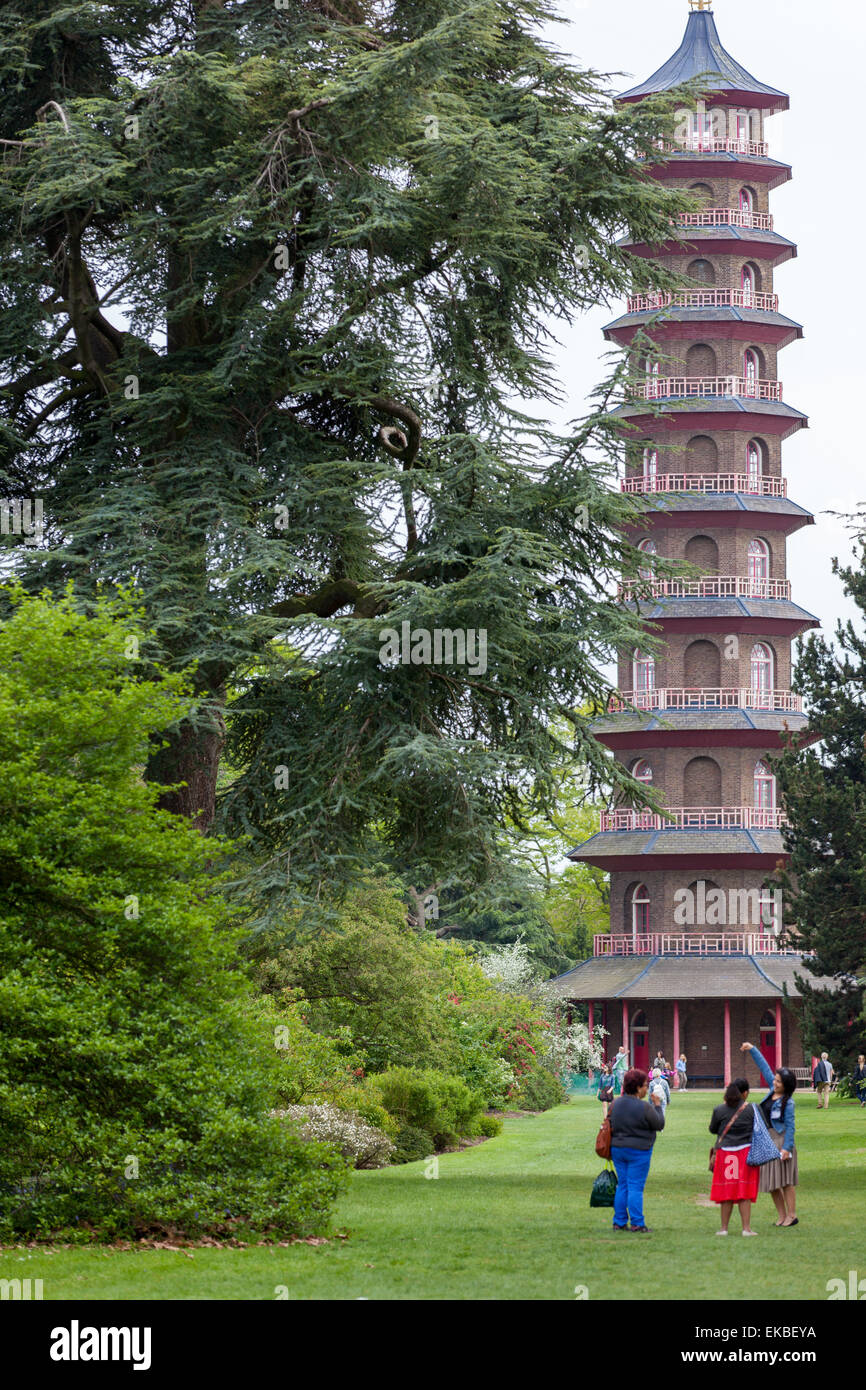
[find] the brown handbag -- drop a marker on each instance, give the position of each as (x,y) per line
(602,1139)
(715,1146)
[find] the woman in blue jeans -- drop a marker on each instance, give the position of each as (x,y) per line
(634,1124)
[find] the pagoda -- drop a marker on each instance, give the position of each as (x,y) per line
(694,961)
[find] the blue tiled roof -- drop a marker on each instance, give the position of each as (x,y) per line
(701,55)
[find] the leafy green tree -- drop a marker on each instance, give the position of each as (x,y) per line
(824,790)
(135,1085)
(274,279)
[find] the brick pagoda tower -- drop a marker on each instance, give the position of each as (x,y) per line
(692,962)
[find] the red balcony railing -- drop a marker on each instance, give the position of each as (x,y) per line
(706,482)
(710,943)
(657,388)
(714,586)
(694,818)
(703,299)
(685,697)
(707,145)
(727,217)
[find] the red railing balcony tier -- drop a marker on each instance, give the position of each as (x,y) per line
(713,586)
(710,943)
(706,144)
(659,388)
(727,217)
(685,697)
(706,482)
(694,818)
(703,299)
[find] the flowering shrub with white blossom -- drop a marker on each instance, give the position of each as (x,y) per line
(566,1047)
(361,1143)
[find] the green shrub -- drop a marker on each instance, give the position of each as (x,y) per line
(539,1090)
(442,1105)
(135,1085)
(488,1126)
(411,1144)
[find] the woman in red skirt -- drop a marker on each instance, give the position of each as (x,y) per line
(733,1179)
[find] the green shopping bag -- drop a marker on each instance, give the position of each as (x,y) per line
(604,1188)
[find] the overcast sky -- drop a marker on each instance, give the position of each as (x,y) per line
(816,54)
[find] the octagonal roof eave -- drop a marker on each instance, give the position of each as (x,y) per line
(701,57)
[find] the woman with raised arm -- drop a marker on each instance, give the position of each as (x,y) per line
(780,1176)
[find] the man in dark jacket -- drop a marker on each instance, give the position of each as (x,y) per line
(821,1078)
(634,1125)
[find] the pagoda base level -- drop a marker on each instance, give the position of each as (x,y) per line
(652,1026)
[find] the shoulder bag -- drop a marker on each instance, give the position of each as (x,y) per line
(762,1149)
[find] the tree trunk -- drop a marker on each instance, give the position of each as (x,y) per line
(191,755)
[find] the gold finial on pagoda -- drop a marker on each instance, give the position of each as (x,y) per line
(700,4)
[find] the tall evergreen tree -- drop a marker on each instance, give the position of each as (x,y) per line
(824,789)
(276,274)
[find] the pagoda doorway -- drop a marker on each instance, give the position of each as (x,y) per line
(640,1053)
(768,1038)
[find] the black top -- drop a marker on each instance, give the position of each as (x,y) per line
(740,1132)
(634,1123)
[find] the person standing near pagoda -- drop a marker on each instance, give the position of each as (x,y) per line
(620,1066)
(780,1176)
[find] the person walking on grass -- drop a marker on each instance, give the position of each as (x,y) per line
(859,1079)
(734,1182)
(779,1177)
(682,1065)
(634,1124)
(605,1088)
(822,1077)
(620,1066)
(659,1086)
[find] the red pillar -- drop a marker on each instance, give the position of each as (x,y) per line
(676,1041)
(625,1027)
(591,1025)
(778,1033)
(727,1041)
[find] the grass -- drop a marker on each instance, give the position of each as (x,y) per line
(510,1219)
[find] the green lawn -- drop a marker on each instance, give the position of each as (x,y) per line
(510,1219)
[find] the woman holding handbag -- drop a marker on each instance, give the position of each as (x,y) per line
(605,1088)
(733,1180)
(780,1177)
(634,1125)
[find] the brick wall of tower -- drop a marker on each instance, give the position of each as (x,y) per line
(732,663)
(689,452)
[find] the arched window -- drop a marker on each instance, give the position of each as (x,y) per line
(765,787)
(702,129)
(753,465)
(747,280)
(747,202)
(643,671)
(648,548)
(751,371)
(741,130)
(650,469)
(759,568)
(642,772)
(761,675)
(640,910)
